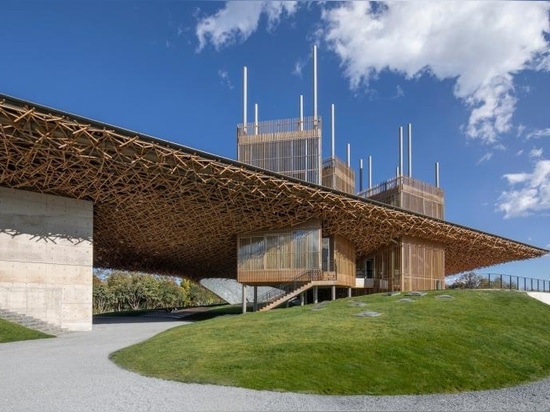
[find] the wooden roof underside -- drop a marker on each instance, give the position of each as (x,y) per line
(171,209)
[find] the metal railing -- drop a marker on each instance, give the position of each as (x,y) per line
(500,281)
(400,181)
(291,125)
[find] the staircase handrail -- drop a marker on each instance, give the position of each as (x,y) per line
(287,287)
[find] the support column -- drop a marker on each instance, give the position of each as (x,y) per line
(349,292)
(315,294)
(302,300)
(244,298)
(255,307)
(46,258)
(333,292)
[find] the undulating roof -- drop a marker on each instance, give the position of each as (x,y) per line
(164,207)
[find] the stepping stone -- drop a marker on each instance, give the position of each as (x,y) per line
(368,314)
(414,293)
(358,304)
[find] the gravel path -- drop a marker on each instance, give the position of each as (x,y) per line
(73,373)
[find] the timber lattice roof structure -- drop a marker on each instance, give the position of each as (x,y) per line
(163,207)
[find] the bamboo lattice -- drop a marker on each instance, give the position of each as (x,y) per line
(168,208)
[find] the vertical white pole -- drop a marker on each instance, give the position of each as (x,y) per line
(315,85)
(400,171)
(349,155)
(410,150)
(315,122)
(360,175)
(301,112)
(436,174)
(244,97)
(332,137)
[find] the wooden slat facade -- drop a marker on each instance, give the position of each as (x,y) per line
(410,194)
(291,147)
(345,261)
(423,265)
(337,175)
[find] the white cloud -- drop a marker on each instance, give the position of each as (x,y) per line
(480,45)
(399,92)
(486,157)
(535,153)
(539,133)
(298,67)
(529,193)
(238,20)
(225,80)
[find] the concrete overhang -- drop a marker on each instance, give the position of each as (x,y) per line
(162,207)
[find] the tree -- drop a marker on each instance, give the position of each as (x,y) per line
(469,280)
(116,290)
(103,298)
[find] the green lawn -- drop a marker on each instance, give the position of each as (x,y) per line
(11,332)
(443,342)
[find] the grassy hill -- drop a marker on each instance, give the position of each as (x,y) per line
(442,342)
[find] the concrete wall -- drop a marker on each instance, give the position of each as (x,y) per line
(46,256)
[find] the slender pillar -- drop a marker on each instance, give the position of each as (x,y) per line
(302,299)
(244,97)
(244,298)
(315,86)
(360,175)
(255,307)
(349,292)
(349,155)
(315,294)
(400,173)
(332,135)
(436,174)
(301,112)
(333,292)
(410,150)
(332,150)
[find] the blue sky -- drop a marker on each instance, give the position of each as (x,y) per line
(472,77)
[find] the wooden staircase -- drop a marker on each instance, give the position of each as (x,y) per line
(285,297)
